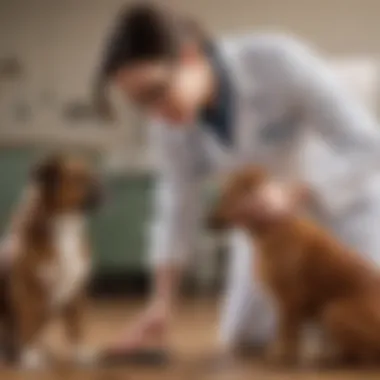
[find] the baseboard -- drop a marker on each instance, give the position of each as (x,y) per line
(120,283)
(115,284)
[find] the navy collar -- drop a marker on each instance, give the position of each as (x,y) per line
(218,116)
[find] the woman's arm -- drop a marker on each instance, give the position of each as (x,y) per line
(326,103)
(177,209)
(177,200)
(349,135)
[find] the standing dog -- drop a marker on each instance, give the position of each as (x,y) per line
(49,275)
(311,276)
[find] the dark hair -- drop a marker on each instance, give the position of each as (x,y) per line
(143,32)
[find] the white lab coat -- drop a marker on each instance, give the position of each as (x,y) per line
(292,116)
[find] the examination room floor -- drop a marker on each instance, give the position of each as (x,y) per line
(194,344)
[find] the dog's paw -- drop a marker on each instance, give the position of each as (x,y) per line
(85,356)
(33,358)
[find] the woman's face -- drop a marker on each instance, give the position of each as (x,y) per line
(173,92)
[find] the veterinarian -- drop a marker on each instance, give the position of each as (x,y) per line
(217,104)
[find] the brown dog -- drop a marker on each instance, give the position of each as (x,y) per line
(48,277)
(311,275)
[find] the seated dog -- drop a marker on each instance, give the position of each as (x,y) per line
(311,275)
(48,276)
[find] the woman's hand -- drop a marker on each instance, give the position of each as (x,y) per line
(276,199)
(150,329)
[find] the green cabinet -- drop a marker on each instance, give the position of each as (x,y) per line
(14,172)
(119,230)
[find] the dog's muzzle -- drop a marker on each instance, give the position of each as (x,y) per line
(94,198)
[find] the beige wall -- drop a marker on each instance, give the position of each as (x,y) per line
(337,26)
(59,39)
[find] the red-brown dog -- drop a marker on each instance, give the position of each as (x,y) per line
(311,275)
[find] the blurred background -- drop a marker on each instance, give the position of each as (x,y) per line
(49,50)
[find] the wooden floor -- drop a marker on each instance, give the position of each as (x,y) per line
(193,345)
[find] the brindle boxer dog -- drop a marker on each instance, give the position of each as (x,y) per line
(48,277)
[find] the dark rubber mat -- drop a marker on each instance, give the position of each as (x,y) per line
(148,357)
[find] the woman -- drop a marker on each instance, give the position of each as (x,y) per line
(264,99)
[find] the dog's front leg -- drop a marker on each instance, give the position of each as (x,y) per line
(74,323)
(29,312)
(284,349)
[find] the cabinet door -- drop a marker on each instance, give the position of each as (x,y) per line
(14,171)
(119,230)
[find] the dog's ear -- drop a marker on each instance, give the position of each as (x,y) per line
(46,174)
(231,207)
(229,210)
